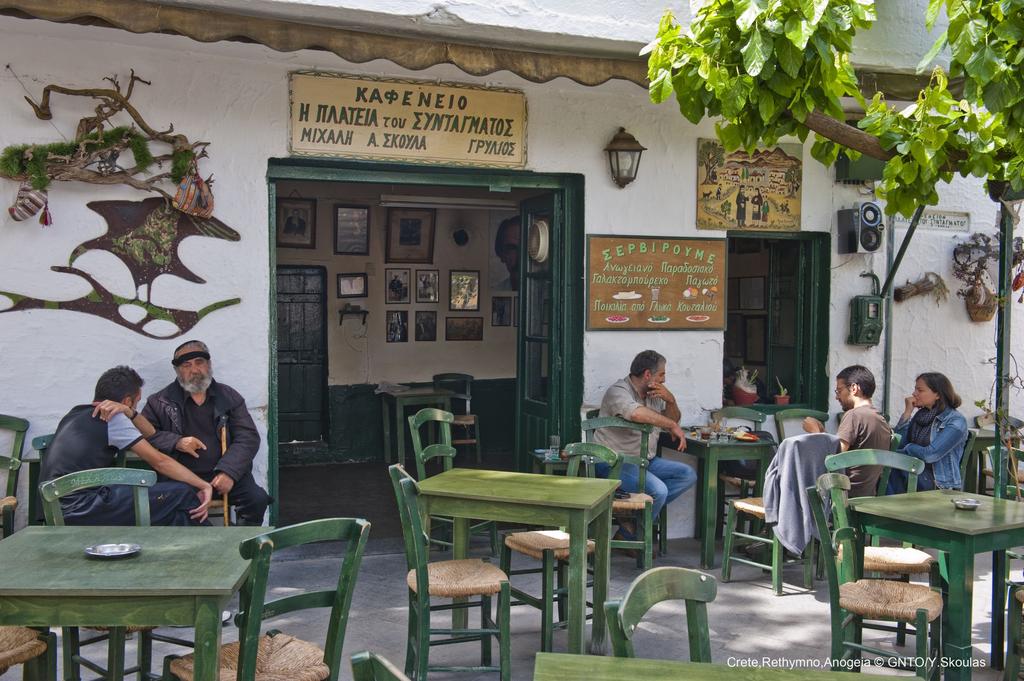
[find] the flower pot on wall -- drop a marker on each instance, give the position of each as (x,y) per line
(980,303)
(782,399)
(742,397)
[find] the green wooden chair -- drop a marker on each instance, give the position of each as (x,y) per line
(551,547)
(367,666)
(744,486)
(468,422)
(274,654)
(52,492)
(454,579)
(36,649)
(889,562)
(638,505)
(652,587)
(1014,635)
(12,463)
(853,599)
(444,452)
(786,415)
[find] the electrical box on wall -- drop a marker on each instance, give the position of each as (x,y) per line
(859,229)
(866,316)
(864,169)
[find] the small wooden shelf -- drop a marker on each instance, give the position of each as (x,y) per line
(354,313)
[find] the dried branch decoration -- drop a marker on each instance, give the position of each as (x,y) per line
(92,156)
(930,282)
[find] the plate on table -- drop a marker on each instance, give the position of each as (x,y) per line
(746,437)
(110,551)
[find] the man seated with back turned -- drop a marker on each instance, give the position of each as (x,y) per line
(862,427)
(642,397)
(91,435)
(188,416)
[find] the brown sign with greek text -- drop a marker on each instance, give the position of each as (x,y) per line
(655,283)
(407,120)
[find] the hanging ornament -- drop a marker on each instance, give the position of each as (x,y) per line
(28,202)
(107,164)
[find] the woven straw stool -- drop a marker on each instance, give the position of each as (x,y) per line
(551,547)
(22,645)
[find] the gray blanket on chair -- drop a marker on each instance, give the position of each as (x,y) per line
(796,466)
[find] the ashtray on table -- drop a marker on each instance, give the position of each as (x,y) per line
(108,551)
(965,504)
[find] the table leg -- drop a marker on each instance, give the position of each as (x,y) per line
(998,607)
(460,548)
(578,582)
(208,629)
(710,512)
(957,620)
(698,524)
(385,411)
(602,536)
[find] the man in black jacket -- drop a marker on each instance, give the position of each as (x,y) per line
(188,416)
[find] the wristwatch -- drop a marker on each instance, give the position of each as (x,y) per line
(133,415)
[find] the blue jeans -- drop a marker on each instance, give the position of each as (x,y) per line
(666,480)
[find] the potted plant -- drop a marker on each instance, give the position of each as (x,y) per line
(744,390)
(972,261)
(783,395)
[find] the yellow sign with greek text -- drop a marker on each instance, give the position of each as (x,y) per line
(406,120)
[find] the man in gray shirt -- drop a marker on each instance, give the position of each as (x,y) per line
(861,427)
(642,397)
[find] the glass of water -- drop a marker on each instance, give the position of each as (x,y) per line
(554,447)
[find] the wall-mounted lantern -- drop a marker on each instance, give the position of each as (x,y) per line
(624,157)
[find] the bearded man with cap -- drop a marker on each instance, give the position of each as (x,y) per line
(188,415)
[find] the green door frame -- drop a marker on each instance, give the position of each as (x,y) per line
(815,280)
(568,186)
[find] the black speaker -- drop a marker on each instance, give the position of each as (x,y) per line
(859,229)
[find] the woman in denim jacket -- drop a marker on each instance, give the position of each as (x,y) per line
(936,433)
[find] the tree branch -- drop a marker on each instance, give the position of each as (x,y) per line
(847,135)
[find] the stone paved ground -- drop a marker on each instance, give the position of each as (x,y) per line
(747,621)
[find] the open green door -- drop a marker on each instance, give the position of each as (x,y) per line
(549,384)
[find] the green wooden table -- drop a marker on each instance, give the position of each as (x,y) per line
(558,667)
(528,499)
(709,454)
(393,409)
(183,576)
(930,519)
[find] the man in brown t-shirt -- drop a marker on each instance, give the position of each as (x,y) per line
(861,427)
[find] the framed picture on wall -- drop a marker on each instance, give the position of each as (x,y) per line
(351,229)
(751,293)
(426,286)
(352,285)
(397,283)
(410,235)
(296,223)
(501,311)
(426,325)
(397,329)
(463,328)
(464,290)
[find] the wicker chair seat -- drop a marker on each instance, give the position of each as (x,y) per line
(987,472)
(458,578)
(636,502)
(18,645)
(464,419)
(279,658)
(752,505)
(8,502)
(534,544)
(885,599)
(895,560)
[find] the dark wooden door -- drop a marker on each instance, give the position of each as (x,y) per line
(301,353)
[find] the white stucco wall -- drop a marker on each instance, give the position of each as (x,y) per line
(235,96)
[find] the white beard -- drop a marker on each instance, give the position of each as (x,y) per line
(199,385)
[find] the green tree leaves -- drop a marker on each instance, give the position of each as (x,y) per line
(762,67)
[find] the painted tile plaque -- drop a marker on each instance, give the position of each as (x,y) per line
(655,283)
(749,192)
(406,120)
